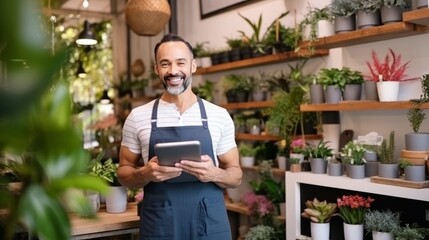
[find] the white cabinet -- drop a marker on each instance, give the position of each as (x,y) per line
(293,194)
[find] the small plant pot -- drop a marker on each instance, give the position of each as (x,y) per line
(335,169)
(356,171)
(388,170)
(415,173)
(417,141)
(388,91)
(296,167)
(371,169)
(247,161)
(281,162)
(318,165)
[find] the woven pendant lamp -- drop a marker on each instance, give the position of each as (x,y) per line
(147,17)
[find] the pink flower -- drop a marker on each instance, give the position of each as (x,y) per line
(139,196)
(297,145)
(259,205)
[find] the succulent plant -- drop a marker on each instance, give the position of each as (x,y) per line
(319,211)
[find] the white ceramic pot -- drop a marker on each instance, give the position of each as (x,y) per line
(116,199)
(325,28)
(281,161)
(247,161)
(319,231)
(388,91)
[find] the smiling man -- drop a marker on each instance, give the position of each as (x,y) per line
(185,201)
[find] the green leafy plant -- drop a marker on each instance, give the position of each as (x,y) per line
(320,150)
(104,169)
(37,122)
(382,221)
(313,16)
(387,150)
(319,211)
(339,77)
(398,3)
(415,116)
(294,160)
(247,150)
(367,5)
(424,82)
(200,50)
(412,231)
(205,90)
(353,153)
(403,163)
(341,8)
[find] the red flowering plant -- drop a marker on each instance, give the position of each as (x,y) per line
(390,70)
(352,208)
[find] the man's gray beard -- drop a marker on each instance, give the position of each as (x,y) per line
(179,89)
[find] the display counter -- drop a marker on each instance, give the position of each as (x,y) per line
(106,224)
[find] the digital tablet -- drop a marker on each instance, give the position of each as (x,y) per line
(172,152)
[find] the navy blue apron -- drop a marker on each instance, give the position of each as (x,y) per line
(184,210)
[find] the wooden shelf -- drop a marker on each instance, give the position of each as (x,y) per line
(360,105)
(248,105)
(258,61)
(242,209)
(276,171)
(254,137)
(383,32)
(419,16)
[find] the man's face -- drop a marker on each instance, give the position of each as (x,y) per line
(174,66)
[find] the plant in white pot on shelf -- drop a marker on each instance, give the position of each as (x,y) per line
(388,74)
(116,198)
(382,223)
(247,154)
(320,214)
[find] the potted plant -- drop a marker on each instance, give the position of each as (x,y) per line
(318,155)
(352,154)
(367,13)
(317,23)
(247,154)
(416,141)
(352,209)
(235,45)
(411,232)
(388,74)
(259,86)
(382,223)
(391,10)
(335,167)
(259,232)
(202,54)
(295,164)
(411,171)
(344,15)
(388,167)
(205,90)
(320,214)
(116,198)
(297,147)
(333,81)
(138,87)
(236,87)
(353,87)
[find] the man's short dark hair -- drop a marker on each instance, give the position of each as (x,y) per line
(170,37)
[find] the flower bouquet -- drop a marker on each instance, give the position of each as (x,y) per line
(260,206)
(352,208)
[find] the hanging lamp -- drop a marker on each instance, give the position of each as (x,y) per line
(87,36)
(147,17)
(81,73)
(105,99)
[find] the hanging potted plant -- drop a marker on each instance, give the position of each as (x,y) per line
(344,15)
(388,74)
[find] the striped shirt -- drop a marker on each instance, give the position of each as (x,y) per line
(137,127)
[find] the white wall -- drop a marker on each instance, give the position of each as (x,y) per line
(215,30)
